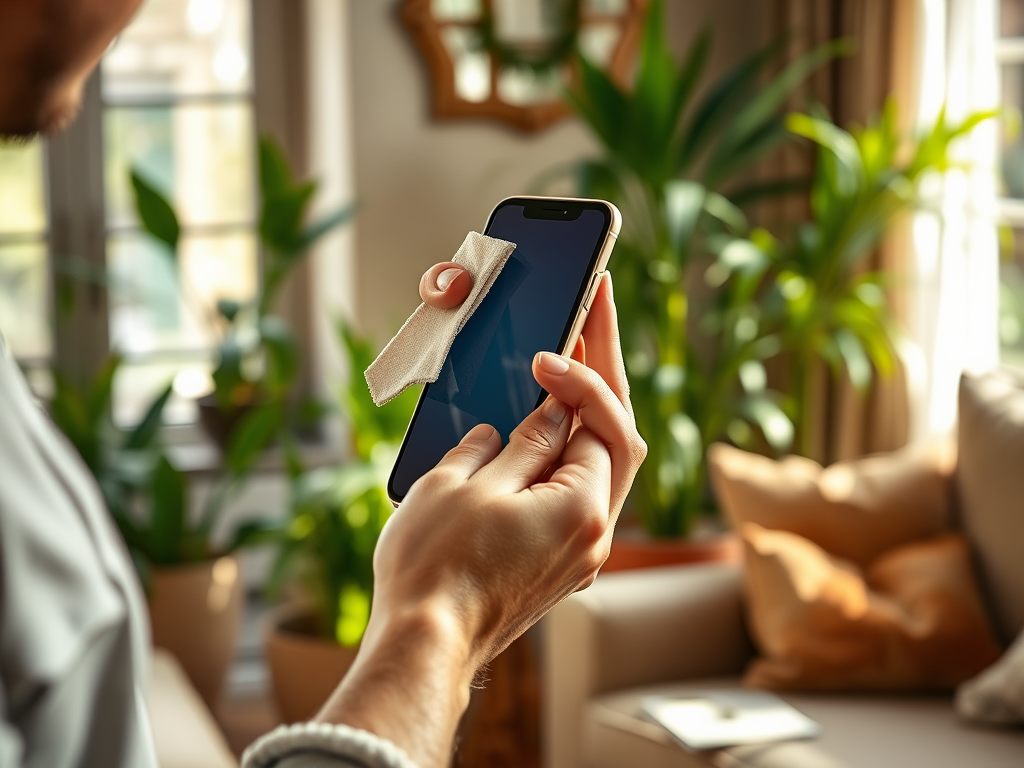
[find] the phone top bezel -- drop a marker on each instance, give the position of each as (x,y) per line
(612,223)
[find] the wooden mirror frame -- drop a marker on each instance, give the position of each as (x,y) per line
(447,104)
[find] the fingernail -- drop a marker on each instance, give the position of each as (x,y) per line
(553,364)
(446,277)
(554,411)
(481,433)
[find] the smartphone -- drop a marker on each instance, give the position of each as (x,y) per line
(538,303)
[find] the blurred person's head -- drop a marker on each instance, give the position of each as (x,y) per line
(47,50)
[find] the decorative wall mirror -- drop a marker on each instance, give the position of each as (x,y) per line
(510,59)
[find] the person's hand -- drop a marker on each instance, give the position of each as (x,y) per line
(489,540)
(445,285)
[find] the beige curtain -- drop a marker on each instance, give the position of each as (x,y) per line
(853,89)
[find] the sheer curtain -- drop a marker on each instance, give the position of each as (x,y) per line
(952,313)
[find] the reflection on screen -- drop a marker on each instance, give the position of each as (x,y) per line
(487,376)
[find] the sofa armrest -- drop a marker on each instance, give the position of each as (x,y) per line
(635,628)
(184,732)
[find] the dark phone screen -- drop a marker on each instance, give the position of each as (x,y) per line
(487,377)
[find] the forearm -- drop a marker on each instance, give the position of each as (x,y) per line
(409,684)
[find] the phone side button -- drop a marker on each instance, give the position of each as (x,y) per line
(595,281)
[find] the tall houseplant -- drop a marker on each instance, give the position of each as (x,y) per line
(672,162)
(817,302)
(257,355)
(326,548)
(192,583)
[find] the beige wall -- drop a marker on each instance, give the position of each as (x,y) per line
(423,184)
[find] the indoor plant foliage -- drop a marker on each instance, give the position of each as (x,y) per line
(146,495)
(672,162)
(817,302)
(192,582)
(337,513)
(257,357)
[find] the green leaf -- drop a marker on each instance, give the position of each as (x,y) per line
(771,98)
(169,499)
(251,438)
(722,100)
(837,141)
(256,532)
(855,359)
(317,230)
(772,420)
(275,174)
(146,431)
(228,309)
(282,355)
(102,390)
(155,212)
(684,201)
(776,188)
(600,103)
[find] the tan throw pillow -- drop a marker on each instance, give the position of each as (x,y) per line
(854,509)
(912,621)
(990,485)
(997,694)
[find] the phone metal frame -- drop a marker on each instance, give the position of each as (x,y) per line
(585,296)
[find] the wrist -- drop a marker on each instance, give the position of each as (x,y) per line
(410,682)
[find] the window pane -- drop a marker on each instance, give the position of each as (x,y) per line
(181,47)
(1012,140)
(153,311)
(21,188)
(24,305)
(138,384)
(455,10)
(1011,304)
(202,155)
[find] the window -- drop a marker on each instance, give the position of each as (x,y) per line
(24,283)
(175,97)
(177,105)
(1010,55)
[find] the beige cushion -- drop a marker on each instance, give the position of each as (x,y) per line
(913,620)
(866,731)
(990,484)
(855,510)
(184,731)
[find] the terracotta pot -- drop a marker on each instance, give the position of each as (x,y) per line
(305,667)
(194,611)
(634,548)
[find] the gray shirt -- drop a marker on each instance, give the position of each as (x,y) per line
(73,630)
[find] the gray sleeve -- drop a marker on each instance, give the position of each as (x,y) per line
(92,716)
(321,745)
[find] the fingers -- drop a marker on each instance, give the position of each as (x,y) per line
(480,445)
(604,353)
(579,353)
(532,448)
(599,410)
(445,285)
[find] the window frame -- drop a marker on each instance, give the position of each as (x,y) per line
(76,223)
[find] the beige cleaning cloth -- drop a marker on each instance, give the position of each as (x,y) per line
(417,352)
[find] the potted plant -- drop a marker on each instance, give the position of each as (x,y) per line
(257,356)
(672,162)
(816,302)
(192,584)
(326,549)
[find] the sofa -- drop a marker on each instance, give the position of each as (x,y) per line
(184,731)
(675,630)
